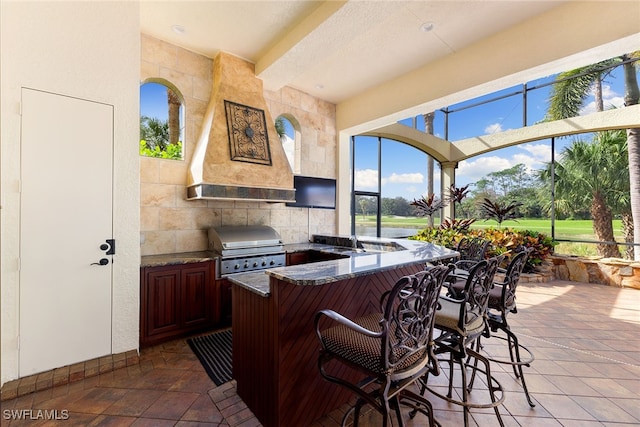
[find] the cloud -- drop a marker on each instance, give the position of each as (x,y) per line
(538,151)
(473,170)
(404,178)
(366,178)
(532,155)
(610,98)
(493,128)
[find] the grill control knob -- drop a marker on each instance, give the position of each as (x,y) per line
(272,262)
(255,264)
(236,267)
(264,263)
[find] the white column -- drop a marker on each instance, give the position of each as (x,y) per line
(448,178)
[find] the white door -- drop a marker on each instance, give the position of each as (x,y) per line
(65,217)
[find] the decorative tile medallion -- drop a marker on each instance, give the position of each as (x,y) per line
(248,136)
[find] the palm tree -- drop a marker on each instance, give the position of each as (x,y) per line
(569,95)
(280,128)
(632,97)
(174,116)
(428,128)
(615,142)
(155,132)
(588,173)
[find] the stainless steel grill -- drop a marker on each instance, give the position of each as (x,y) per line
(246,248)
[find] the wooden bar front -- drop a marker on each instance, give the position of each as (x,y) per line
(275,348)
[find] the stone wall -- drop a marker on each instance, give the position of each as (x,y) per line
(168,222)
(606,271)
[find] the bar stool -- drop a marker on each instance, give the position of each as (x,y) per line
(461,321)
(502,301)
(392,349)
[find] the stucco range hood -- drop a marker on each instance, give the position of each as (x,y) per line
(238,155)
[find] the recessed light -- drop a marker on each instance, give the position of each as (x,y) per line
(427,26)
(319,86)
(178,29)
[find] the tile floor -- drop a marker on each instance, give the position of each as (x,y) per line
(586,340)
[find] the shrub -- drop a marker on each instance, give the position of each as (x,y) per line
(172,151)
(503,241)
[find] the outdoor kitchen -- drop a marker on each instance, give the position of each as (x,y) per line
(184,202)
(172,224)
(178,283)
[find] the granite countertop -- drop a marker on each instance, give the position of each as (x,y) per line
(177,258)
(375,256)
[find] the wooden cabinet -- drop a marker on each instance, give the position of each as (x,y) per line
(224,289)
(177,300)
(306,257)
(296,258)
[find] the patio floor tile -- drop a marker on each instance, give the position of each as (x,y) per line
(586,373)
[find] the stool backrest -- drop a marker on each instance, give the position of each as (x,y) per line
(409,315)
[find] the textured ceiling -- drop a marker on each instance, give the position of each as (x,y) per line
(374,61)
(343,47)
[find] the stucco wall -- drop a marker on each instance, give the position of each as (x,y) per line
(169,223)
(89,50)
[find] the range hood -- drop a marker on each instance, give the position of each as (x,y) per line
(238,155)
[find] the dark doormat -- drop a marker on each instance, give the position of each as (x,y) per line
(214,352)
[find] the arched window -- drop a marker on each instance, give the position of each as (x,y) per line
(161,121)
(387,176)
(288,130)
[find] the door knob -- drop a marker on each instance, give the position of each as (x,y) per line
(103,261)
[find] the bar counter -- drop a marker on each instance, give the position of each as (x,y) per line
(275,348)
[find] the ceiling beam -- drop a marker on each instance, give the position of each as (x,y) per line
(316,37)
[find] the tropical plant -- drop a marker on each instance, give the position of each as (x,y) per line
(503,242)
(569,95)
(280,128)
(428,206)
(461,225)
(500,212)
(173,151)
(572,88)
(457,195)
(154,132)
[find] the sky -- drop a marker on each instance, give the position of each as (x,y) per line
(404,168)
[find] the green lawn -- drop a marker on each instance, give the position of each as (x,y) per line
(564,229)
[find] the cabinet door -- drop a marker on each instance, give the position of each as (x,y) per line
(196,295)
(296,258)
(161,299)
(225,301)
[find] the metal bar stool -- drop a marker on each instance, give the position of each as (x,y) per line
(392,349)
(461,322)
(502,301)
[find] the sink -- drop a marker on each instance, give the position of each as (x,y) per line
(368,246)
